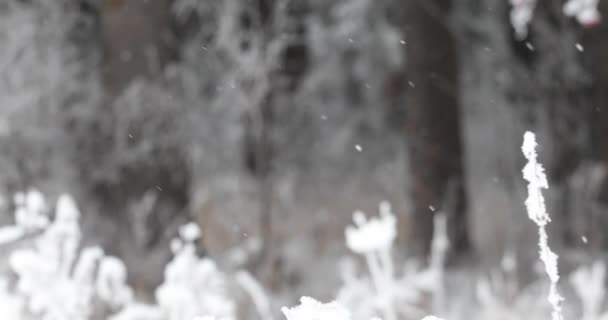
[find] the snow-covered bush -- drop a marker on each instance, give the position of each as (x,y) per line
(588,283)
(30,216)
(193,286)
(412,293)
(54,278)
(373,239)
(498,298)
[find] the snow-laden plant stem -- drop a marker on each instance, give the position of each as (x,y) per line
(439,247)
(588,284)
(534,173)
(374,239)
(256,292)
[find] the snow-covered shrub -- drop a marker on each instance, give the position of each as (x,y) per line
(374,239)
(193,286)
(12,305)
(496,299)
(374,236)
(55,279)
(588,283)
(256,291)
(30,216)
(382,292)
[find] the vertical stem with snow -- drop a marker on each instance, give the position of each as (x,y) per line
(373,239)
(534,173)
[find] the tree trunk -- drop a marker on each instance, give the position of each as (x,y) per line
(136,41)
(595,51)
(509,86)
(287,20)
(141,197)
(433,125)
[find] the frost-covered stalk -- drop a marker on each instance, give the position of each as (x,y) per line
(193,286)
(257,294)
(30,217)
(588,283)
(373,239)
(439,247)
(55,279)
(534,173)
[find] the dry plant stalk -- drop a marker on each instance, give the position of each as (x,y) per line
(534,173)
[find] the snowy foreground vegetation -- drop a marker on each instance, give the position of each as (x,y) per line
(50,275)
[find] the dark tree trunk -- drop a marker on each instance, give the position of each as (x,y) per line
(285,19)
(136,41)
(595,52)
(433,125)
(508,86)
(140,198)
(563,87)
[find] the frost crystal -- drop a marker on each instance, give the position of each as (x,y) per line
(534,173)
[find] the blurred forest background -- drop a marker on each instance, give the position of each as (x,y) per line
(269,122)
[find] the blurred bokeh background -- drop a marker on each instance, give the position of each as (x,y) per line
(269,122)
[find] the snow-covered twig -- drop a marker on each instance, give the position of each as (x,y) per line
(256,292)
(374,239)
(588,283)
(534,173)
